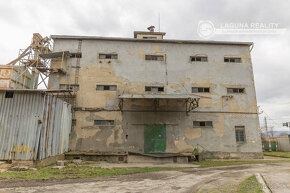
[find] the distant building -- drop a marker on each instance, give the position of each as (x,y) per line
(284,142)
(152,96)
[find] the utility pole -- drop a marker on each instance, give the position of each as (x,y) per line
(266,127)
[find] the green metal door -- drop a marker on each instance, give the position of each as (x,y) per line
(154,138)
(273,145)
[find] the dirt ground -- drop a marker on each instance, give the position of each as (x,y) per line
(217,179)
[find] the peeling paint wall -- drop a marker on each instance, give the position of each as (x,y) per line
(131,73)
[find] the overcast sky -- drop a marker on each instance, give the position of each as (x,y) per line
(19,19)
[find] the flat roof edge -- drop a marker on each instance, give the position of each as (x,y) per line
(150,40)
(34,90)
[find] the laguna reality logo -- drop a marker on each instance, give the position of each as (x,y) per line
(206,29)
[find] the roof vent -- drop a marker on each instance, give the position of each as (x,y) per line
(151,28)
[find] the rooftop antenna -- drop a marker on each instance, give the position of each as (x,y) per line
(159,21)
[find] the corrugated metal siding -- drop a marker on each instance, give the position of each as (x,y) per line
(33,126)
(56,127)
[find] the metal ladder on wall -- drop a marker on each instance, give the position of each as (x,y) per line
(77,72)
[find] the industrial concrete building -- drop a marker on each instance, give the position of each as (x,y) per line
(151,96)
(16,77)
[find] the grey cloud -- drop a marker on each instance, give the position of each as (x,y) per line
(179,19)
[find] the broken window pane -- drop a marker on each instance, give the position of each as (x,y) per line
(241,90)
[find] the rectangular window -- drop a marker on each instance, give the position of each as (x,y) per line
(74,87)
(232,59)
(154,57)
(149,38)
(104,122)
(202,123)
(108,56)
(107,87)
(236,90)
(200,89)
(240,134)
(198,58)
(75,55)
(9,95)
(154,88)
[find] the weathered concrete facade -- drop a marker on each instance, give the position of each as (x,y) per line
(16,77)
(133,117)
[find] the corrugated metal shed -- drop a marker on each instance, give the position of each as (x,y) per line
(33,125)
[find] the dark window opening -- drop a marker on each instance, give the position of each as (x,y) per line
(198,58)
(202,123)
(240,134)
(75,55)
(74,122)
(149,38)
(9,95)
(234,60)
(108,56)
(154,57)
(200,89)
(104,122)
(236,90)
(160,89)
(107,87)
(147,88)
(154,89)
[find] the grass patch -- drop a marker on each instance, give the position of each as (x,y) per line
(278,154)
(250,185)
(230,162)
(77,172)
